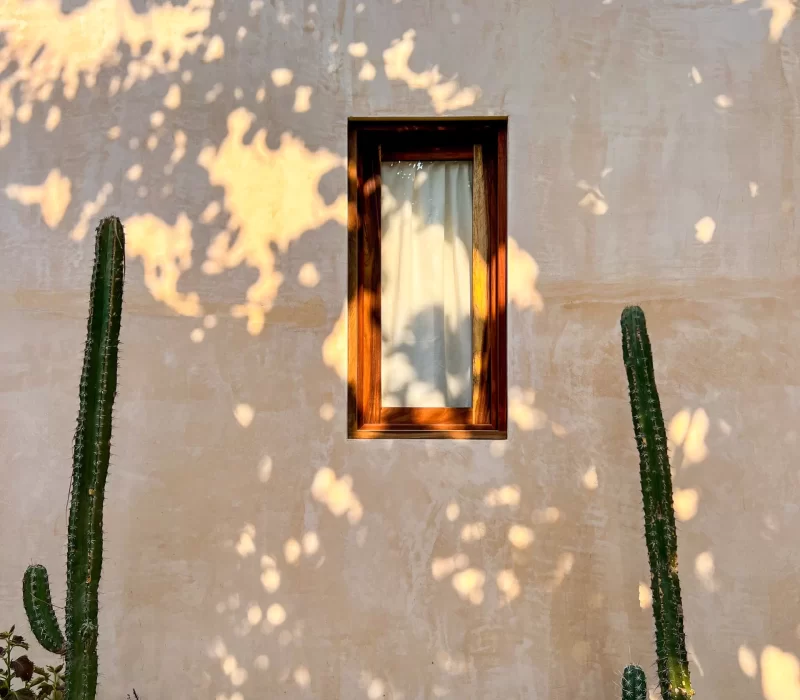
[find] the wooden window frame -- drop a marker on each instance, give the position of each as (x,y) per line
(482,141)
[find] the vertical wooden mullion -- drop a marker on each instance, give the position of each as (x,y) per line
(480,290)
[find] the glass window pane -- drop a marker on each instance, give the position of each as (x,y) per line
(426,284)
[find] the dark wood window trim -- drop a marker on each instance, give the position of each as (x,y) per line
(484,142)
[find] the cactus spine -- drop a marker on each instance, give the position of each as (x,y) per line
(634,684)
(659,516)
(89,471)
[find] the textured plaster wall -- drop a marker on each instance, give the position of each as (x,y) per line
(251,550)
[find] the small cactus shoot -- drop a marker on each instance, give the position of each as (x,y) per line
(634,684)
(91,453)
(659,515)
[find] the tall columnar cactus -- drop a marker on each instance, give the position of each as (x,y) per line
(89,471)
(659,516)
(634,684)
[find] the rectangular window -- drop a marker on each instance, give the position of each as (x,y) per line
(427,278)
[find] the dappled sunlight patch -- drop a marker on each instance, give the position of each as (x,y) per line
(563,568)
(308,275)
(442,567)
(469,585)
(686,502)
(166,252)
(696,77)
(453,511)
(522,412)
(704,569)
(327,412)
(522,275)
(53,196)
(445,95)
(272,198)
(53,118)
(246,543)
(747,661)
(472,532)
(43,45)
(215,49)
(508,495)
(704,229)
(645,596)
(281,77)
(689,430)
(276,615)
(302,677)
(334,348)
(270,576)
(546,516)
(508,584)
(590,479)
(337,494)
(521,536)
(753,187)
(723,101)
(244,414)
(594,200)
(292,551)
(302,99)
(780,674)
(451,664)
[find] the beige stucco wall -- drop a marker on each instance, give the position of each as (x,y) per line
(251,550)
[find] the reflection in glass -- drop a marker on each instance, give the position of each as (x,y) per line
(426,279)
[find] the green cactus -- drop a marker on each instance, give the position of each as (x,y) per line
(634,683)
(91,452)
(659,516)
(39,608)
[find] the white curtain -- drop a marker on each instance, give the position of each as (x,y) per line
(426,282)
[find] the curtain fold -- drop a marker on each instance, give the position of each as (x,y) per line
(426,280)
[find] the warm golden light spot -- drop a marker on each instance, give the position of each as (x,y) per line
(276,615)
(172,100)
(704,568)
(261,93)
(53,118)
(696,75)
(685,502)
(753,187)
(310,543)
(376,689)
(302,676)
(589,479)
(244,414)
(508,495)
(689,431)
(273,198)
(24,113)
(522,412)
(704,229)
(211,212)
(337,494)
(281,77)
(367,72)
(782,13)
(197,335)
(254,614)
(271,579)
(210,321)
(152,142)
(445,96)
(292,550)
(238,93)
(214,93)
(645,596)
(748,662)
(595,203)
(261,662)
(166,251)
(302,98)
(780,674)
(520,536)
(265,469)
(327,412)
(469,585)
(215,49)
(58,47)
(546,516)
(442,567)
(114,132)
(134,172)
(156,119)
(472,532)
(308,275)
(563,568)
(723,101)
(357,49)
(334,348)
(453,511)
(246,545)
(90,211)
(508,584)
(114,85)
(53,196)
(241,33)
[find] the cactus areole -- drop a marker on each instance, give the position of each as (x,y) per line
(659,515)
(89,471)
